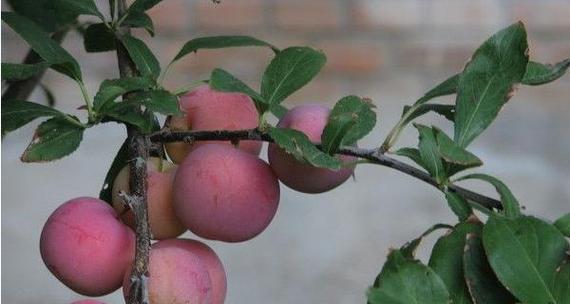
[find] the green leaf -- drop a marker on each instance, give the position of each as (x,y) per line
(78,7)
(413,154)
(487,81)
(447,87)
(54,139)
(111,89)
(484,287)
(139,19)
(120,161)
(456,158)
(48,49)
(561,287)
(298,144)
(405,281)
(447,260)
(448,111)
(350,119)
(129,112)
(525,253)
(289,71)
(143,5)
(429,153)
(218,42)
(160,101)
(458,205)
(511,207)
(17,71)
(17,113)
(221,80)
(409,249)
(144,59)
(278,110)
(538,73)
(50,98)
(563,224)
(41,12)
(99,38)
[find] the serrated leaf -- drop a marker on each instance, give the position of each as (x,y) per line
(448,111)
(110,89)
(129,112)
(483,285)
(538,73)
(447,87)
(511,207)
(409,249)
(17,113)
(455,158)
(447,260)
(561,287)
(278,110)
(48,49)
(17,71)
(160,101)
(289,71)
(140,19)
(487,80)
(54,139)
(99,38)
(458,205)
(524,253)
(143,5)
(142,56)
(221,80)
(413,154)
(563,224)
(429,153)
(218,42)
(350,119)
(404,281)
(118,163)
(78,7)
(298,144)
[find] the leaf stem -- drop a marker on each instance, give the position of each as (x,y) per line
(397,129)
(87,100)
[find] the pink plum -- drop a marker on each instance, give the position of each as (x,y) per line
(206,109)
(85,245)
(160,175)
(225,194)
(311,120)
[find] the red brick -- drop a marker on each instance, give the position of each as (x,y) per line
(353,57)
(321,90)
(370,14)
(311,15)
(228,14)
(551,14)
(171,16)
(469,13)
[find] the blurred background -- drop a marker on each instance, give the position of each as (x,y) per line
(324,248)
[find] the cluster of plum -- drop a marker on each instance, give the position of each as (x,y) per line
(217,191)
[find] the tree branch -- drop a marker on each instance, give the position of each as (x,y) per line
(372,155)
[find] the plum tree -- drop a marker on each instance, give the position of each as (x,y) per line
(85,245)
(160,175)
(212,263)
(310,119)
(177,275)
(224,193)
(206,109)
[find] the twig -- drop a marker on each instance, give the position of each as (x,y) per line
(372,155)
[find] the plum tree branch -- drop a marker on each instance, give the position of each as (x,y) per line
(138,151)
(372,155)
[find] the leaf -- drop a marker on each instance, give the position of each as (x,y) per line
(413,154)
(538,73)
(278,110)
(563,224)
(144,59)
(41,12)
(447,87)
(561,287)
(111,89)
(458,205)
(17,113)
(456,158)
(17,71)
(50,98)
(160,101)
(484,287)
(510,204)
(487,81)
(142,5)
(448,111)
(221,80)
(119,162)
(447,260)
(409,249)
(54,139)
(405,281)
(99,38)
(429,153)
(78,7)
(129,112)
(289,71)
(298,144)
(139,19)
(218,42)
(350,119)
(48,49)
(524,254)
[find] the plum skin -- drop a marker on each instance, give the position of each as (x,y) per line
(84,244)
(205,109)
(225,194)
(311,120)
(163,221)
